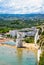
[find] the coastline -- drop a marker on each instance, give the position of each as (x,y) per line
(29,46)
(25,45)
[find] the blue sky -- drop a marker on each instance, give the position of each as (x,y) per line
(21,6)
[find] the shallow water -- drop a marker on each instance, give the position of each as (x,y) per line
(10,42)
(16,56)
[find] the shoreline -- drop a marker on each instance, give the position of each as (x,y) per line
(25,45)
(29,46)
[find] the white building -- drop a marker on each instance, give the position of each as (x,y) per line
(19,40)
(1,36)
(21,34)
(13,33)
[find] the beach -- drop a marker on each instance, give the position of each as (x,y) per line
(26,45)
(29,47)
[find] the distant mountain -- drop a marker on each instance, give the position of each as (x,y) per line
(21,16)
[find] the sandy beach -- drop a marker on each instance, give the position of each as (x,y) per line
(30,46)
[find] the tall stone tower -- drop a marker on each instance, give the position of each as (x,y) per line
(19,40)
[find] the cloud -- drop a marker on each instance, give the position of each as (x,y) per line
(0,0)
(21,6)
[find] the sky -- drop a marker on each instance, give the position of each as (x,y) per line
(21,6)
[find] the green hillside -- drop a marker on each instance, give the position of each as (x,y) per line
(6,25)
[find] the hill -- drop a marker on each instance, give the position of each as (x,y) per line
(18,21)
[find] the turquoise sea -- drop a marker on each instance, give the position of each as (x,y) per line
(17,56)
